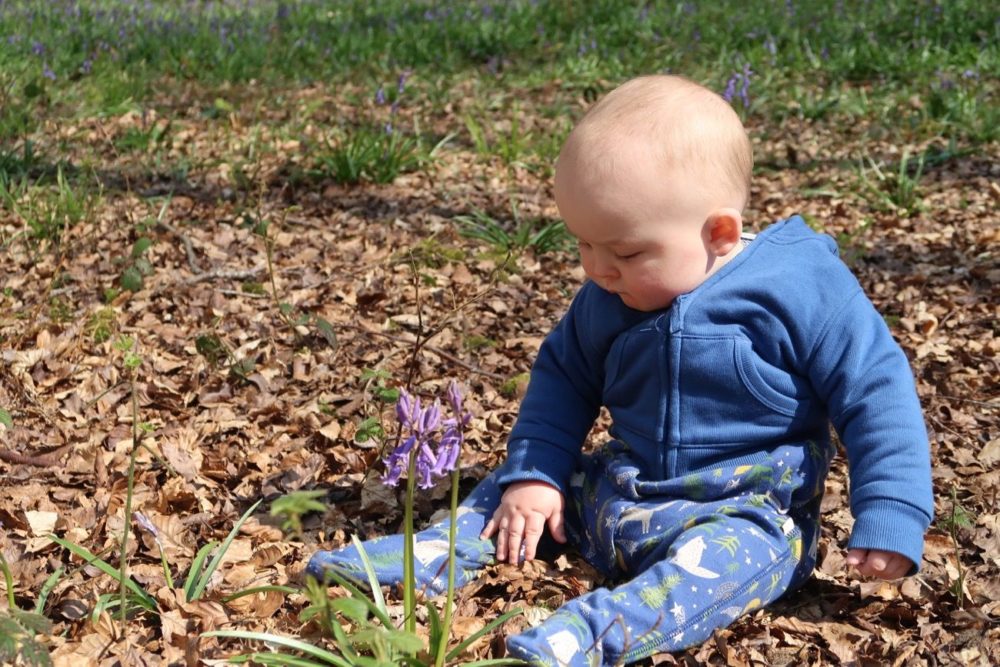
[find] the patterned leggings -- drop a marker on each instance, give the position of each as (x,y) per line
(695,553)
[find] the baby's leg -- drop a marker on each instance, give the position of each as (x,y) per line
(431,548)
(712,573)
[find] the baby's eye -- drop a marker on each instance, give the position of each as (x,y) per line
(627,256)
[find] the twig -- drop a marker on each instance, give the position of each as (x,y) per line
(229,274)
(188,248)
(430,348)
(988,404)
(44,461)
(241,293)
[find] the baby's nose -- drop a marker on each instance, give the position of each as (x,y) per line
(603,267)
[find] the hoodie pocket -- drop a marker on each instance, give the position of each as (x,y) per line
(730,396)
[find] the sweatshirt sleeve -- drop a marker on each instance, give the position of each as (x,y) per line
(866,381)
(563,397)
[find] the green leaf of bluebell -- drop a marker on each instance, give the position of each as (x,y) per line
(131,279)
(325,329)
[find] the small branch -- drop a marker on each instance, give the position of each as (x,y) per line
(240,293)
(228,274)
(44,461)
(429,348)
(188,247)
(960,399)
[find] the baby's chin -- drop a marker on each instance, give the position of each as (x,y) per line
(632,303)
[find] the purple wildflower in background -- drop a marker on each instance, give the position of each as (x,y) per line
(743,79)
(745,88)
(771,46)
(401,82)
(730,92)
(436,454)
(380,95)
(147,526)
(37,48)
(48,73)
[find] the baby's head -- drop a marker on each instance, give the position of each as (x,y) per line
(653,182)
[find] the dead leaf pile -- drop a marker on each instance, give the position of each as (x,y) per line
(242,394)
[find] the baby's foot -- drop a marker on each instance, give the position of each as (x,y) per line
(561,641)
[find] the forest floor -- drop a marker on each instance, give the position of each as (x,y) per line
(238,399)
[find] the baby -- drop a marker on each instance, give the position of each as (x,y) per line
(722,358)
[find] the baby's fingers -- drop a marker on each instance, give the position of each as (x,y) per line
(556,529)
(533,528)
(488,529)
(515,537)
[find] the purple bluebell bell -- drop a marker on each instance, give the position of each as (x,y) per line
(730,92)
(745,88)
(47,72)
(380,95)
(434,442)
(147,526)
(743,79)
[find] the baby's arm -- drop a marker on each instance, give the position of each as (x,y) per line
(525,509)
(881,564)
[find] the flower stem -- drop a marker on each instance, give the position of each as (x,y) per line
(449,601)
(409,578)
(129,487)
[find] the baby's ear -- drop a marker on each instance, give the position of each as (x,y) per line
(722,230)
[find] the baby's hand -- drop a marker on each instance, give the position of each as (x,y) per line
(881,564)
(525,509)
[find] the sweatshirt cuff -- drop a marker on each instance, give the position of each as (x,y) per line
(890,525)
(535,461)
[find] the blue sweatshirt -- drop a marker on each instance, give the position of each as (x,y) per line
(770,350)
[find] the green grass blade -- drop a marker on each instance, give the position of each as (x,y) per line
(50,583)
(494,662)
(195,570)
(144,598)
(204,577)
(354,590)
(282,659)
(260,589)
(9,580)
(288,642)
(492,625)
(377,596)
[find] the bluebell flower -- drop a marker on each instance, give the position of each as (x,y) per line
(47,72)
(730,92)
(147,526)
(743,79)
(37,48)
(770,45)
(745,88)
(380,95)
(434,442)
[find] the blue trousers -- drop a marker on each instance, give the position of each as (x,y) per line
(694,553)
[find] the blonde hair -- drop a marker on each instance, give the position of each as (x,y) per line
(681,123)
